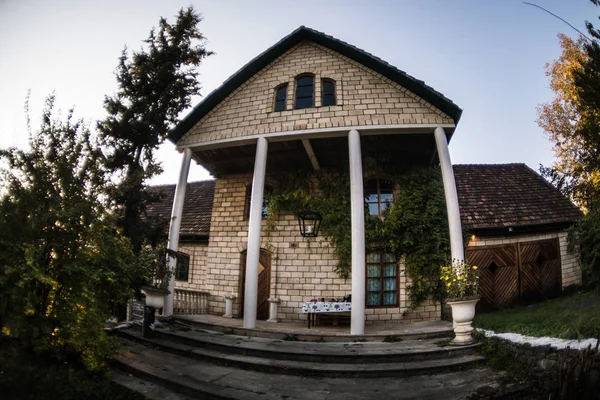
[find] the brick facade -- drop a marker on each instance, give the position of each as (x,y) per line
(571,268)
(301,269)
(364,97)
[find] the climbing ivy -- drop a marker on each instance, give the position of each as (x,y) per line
(414,227)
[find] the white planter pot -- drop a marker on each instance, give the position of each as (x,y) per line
(155,298)
(463,312)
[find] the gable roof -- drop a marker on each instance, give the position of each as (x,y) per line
(495,197)
(197,208)
(303,33)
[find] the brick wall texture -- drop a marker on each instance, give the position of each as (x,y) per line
(364,97)
(301,269)
(571,268)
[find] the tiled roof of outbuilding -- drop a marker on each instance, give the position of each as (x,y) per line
(197,208)
(493,196)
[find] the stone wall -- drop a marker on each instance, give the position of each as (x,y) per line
(301,269)
(571,268)
(363,96)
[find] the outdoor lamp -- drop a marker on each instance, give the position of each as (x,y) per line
(309,222)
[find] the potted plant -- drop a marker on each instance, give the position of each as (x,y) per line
(159,275)
(460,283)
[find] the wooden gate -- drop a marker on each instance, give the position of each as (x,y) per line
(264,283)
(498,275)
(510,273)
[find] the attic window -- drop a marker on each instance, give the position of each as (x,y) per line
(328,91)
(280,96)
(305,90)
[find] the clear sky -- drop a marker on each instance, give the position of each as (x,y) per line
(487,56)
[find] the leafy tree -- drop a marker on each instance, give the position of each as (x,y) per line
(572,121)
(62,259)
(154,86)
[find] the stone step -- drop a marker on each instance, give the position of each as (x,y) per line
(328,352)
(422,330)
(358,368)
(202,379)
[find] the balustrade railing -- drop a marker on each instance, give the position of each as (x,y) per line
(190,302)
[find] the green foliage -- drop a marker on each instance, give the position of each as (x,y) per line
(62,260)
(24,375)
(415,226)
(155,85)
(585,235)
(568,317)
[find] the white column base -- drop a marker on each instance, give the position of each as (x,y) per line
(273,305)
(229,306)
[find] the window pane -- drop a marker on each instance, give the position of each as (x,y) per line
(304,91)
(389,284)
(328,101)
(389,258)
(305,81)
(389,298)
(304,103)
(374,285)
(373,258)
(281,93)
(373,209)
(280,105)
(386,185)
(387,197)
(182,267)
(328,88)
(373,271)
(373,299)
(389,270)
(371,186)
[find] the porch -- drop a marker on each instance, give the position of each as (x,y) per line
(377,331)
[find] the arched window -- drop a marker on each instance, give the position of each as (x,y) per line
(379,195)
(305,92)
(328,91)
(280,97)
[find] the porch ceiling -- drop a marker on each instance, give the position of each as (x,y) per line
(330,152)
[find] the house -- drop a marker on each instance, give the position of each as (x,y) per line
(312,103)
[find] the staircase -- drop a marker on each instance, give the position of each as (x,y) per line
(194,362)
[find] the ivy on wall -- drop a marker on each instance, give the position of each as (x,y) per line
(414,227)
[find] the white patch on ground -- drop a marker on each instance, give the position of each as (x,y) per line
(543,341)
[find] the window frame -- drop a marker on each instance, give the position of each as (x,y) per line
(275,100)
(182,256)
(382,254)
(265,207)
(378,180)
(323,82)
(296,87)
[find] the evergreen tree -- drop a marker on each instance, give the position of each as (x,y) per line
(154,86)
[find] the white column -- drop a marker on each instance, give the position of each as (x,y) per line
(456,239)
(357,204)
(254,227)
(175,226)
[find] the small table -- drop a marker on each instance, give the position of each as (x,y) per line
(312,308)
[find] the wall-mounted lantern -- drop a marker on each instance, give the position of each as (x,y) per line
(309,222)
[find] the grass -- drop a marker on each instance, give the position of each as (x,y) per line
(24,375)
(575,316)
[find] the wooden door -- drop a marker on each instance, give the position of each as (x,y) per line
(498,275)
(540,270)
(264,283)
